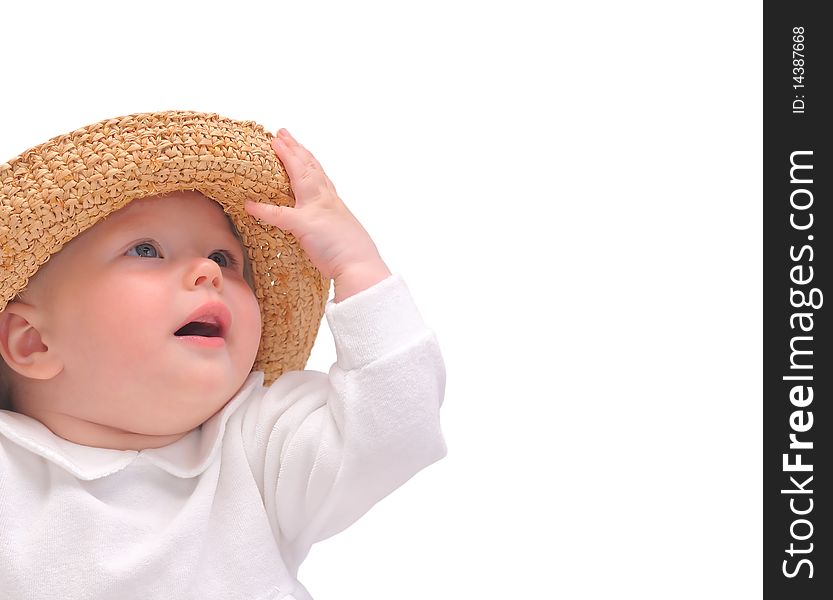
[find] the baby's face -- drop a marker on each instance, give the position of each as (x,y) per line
(114,302)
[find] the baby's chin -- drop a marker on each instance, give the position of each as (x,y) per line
(175,406)
(183,412)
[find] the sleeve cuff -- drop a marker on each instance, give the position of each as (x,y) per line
(374,322)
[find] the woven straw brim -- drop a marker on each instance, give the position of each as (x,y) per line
(58,189)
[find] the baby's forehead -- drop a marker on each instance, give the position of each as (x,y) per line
(180,210)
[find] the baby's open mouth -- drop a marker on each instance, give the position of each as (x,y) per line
(211,320)
(199,329)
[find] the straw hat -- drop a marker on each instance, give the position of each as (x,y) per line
(54,191)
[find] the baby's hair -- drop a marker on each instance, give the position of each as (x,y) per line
(5,379)
(5,391)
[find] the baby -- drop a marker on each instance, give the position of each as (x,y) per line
(141,456)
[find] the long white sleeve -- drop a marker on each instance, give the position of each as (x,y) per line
(335,445)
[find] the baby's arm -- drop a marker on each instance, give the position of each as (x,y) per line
(335,241)
(332,446)
(328,447)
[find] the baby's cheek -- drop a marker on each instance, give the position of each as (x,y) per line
(129,317)
(248,325)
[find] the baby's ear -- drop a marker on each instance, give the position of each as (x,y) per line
(21,345)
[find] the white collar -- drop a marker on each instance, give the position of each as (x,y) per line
(187,457)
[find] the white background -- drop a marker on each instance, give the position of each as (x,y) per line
(573,195)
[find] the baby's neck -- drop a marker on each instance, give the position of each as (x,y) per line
(97,435)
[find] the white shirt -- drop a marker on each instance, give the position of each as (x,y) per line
(231,509)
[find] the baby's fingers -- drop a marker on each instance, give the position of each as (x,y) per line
(299,162)
(280,216)
(305,173)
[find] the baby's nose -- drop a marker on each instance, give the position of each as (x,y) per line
(205,272)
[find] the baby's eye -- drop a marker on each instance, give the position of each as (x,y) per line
(223,258)
(145,250)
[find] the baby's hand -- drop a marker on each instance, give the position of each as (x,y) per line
(335,241)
